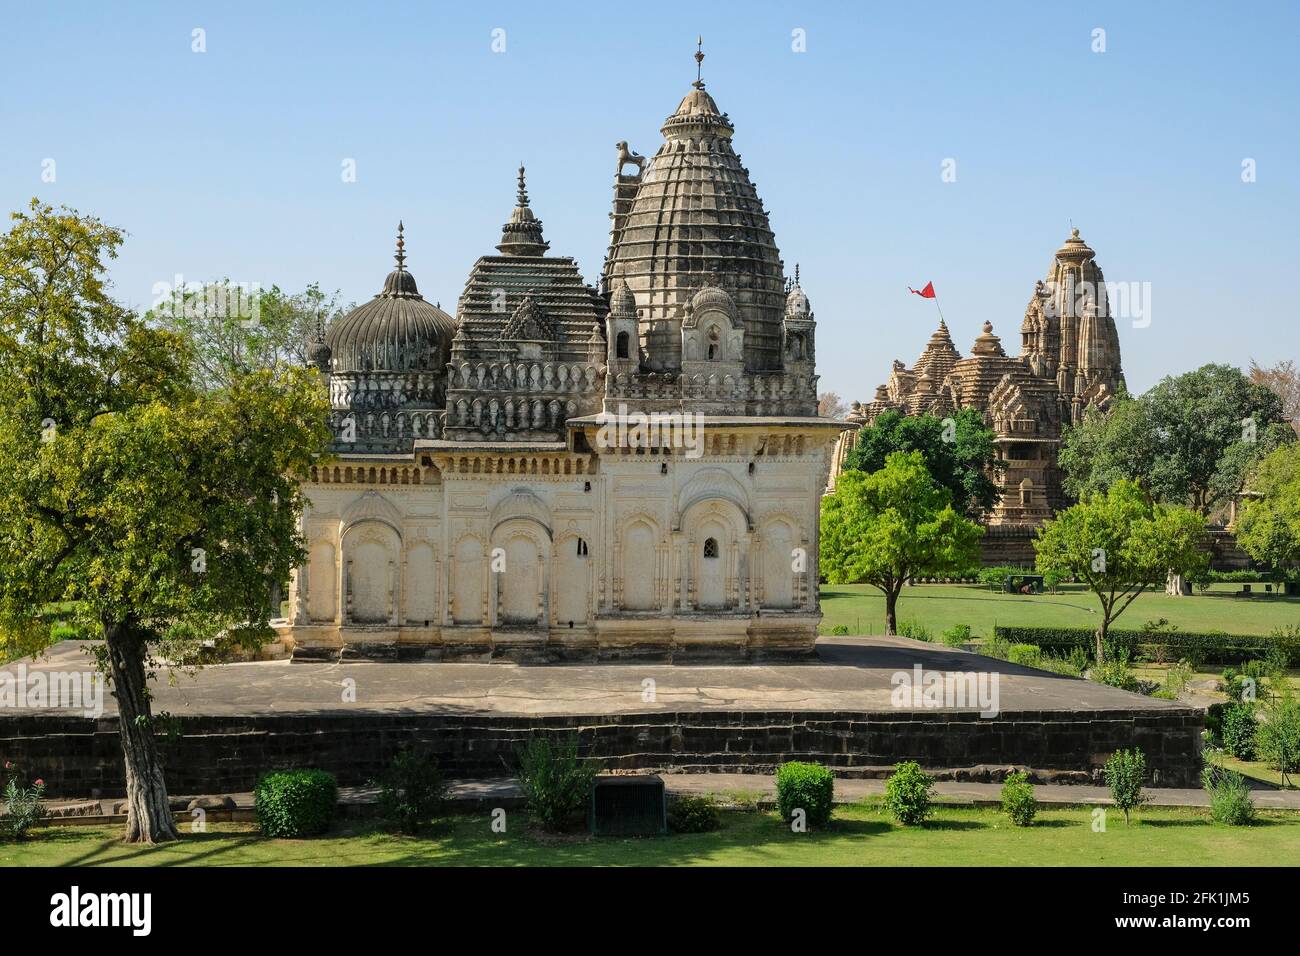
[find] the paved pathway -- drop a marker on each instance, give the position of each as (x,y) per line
(762,788)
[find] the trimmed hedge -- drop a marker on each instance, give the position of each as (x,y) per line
(809,787)
(295,803)
(1210,648)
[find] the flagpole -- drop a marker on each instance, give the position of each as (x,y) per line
(936,305)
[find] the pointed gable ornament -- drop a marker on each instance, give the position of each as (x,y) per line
(530,323)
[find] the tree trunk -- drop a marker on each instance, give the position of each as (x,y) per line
(149,818)
(1101,639)
(1177,585)
(891,612)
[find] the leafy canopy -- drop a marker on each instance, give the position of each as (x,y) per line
(1190,440)
(958,452)
(1120,543)
(894,523)
(1269,526)
(123,487)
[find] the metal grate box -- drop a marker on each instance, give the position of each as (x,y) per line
(629,806)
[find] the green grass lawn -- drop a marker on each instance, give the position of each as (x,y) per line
(861,608)
(860,835)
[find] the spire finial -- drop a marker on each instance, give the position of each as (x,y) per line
(401,244)
(699,63)
(523,191)
(796,273)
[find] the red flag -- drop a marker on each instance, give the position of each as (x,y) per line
(926,293)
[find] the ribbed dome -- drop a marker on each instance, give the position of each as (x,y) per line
(396,331)
(696,221)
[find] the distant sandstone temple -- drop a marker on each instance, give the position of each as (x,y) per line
(499,488)
(1069,361)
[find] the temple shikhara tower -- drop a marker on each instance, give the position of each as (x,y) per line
(1069,361)
(568,471)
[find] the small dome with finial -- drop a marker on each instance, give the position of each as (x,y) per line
(395,331)
(522,234)
(796,302)
(623,301)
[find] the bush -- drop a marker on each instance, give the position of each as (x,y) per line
(907,794)
(1126,771)
(1229,796)
(805,786)
(23,809)
(996,647)
(411,791)
(840,629)
(1018,800)
(1277,739)
(1197,648)
(957,635)
(1116,672)
(1238,730)
(295,803)
(915,630)
(1062,665)
(1177,678)
(693,813)
(556,781)
(1028,655)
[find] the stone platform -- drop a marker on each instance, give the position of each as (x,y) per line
(237,721)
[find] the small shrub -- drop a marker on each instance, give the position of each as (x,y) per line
(295,803)
(1229,796)
(411,791)
(805,786)
(1061,665)
(996,647)
(915,630)
(1018,801)
(1126,771)
(1177,678)
(957,635)
(556,781)
(693,813)
(1238,730)
(23,809)
(907,794)
(840,630)
(1028,655)
(1277,739)
(1116,672)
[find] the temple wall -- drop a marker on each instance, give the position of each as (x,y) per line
(535,555)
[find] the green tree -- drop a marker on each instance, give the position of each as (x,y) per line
(158,511)
(1268,527)
(1106,447)
(231,329)
(1120,544)
(893,524)
(1190,440)
(958,453)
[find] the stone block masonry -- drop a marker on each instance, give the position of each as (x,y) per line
(218,754)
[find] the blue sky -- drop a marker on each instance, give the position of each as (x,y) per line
(228,162)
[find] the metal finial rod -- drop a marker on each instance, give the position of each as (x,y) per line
(796,273)
(699,63)
(523,192)
(401,245)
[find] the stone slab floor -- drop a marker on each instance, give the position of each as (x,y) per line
(851,674)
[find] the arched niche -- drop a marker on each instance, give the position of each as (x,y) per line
(370,562)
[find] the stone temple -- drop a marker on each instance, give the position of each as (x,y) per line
(1069,361)
(569,472)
